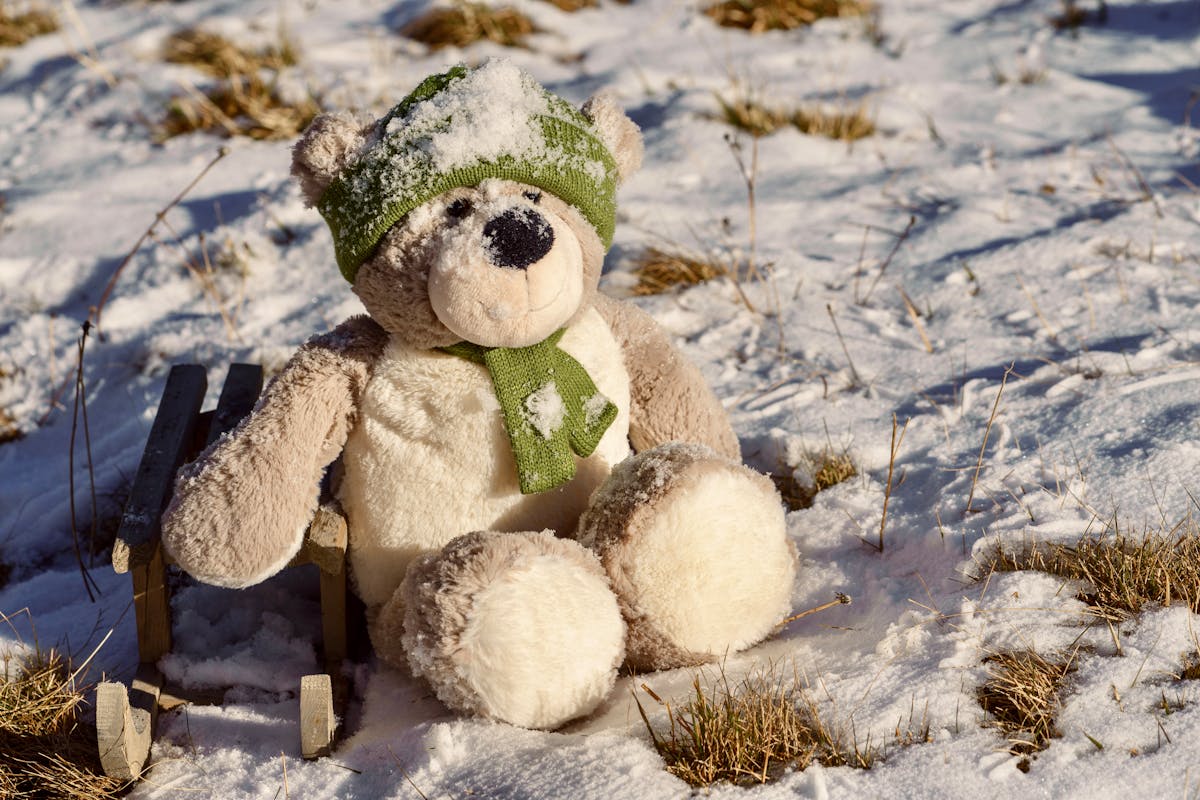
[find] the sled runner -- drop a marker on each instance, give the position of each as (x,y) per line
(126,716)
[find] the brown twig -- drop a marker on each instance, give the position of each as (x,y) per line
(839,599)
(912,221)
(862,252)
(1147,192)
(916,318)
(88,581)
(158,217)
(858,381)
(748,175)
(404,772)
(95,311)
(1037,310)
(986,433)
(887,492)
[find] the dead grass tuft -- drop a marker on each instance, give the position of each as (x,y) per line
(468,22)
(218,56)
(1022,697)
(49,751)
(571,6)
(820,470)
(847,123)
(9,430)
(1072,16)
(246,100)
(1191,667)
(658,270)
(750,732)
(757,16)
(1120,574)
(18,27)
(751,116)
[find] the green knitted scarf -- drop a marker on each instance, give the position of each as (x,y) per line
(551,407)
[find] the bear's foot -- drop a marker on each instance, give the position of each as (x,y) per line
(697,552)
(519,627)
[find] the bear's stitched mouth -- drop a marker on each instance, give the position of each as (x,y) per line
(499,313)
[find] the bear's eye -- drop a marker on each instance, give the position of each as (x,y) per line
(459,208)
(533,197)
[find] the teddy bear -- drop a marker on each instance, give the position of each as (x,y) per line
(538,487)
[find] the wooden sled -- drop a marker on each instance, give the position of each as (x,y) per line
(126,716)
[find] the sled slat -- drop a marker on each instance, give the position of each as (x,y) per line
(239,393)
(325,541)
(317,721)
(333,618)
(125,723)
(170,437)
(152,607)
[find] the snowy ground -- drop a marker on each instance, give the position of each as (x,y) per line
(1054,231)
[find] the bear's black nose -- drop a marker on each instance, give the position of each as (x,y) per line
(517,238)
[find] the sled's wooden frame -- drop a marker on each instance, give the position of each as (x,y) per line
(125,717)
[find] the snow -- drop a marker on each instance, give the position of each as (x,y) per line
(494,108)
(1051,231)
(544,410)
(593,409)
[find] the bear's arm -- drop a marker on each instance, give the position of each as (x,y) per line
(670,400)
(239,511)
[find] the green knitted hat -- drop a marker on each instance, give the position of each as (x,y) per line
(457,129)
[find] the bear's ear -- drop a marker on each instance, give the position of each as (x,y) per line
(618,132)
(330,143)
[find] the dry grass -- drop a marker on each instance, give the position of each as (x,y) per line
(468,22)
(48,751)
(1072,16)
(847,123)
(1121,574)
(218,56)
(9,430)
(246,99)
(658,270)
(18,27)
(1022,698)
(750,732)
(1190,668)
(825,468)
(752,116)
(757,16)
(571,6)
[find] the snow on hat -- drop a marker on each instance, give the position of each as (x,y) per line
(457,129)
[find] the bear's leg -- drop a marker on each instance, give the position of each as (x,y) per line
(697,551)
(519,627)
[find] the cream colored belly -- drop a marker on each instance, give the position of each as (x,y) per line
(429,458)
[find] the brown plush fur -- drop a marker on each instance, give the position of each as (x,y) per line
(671,401)
(242,506)
(239,511)
(617,131)
(393,284)
(327,146)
